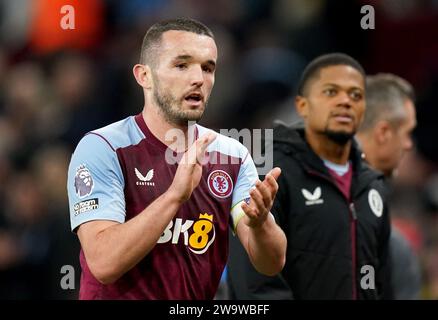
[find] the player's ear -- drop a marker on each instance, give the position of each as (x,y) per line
(143,75)
(382,132)
(302,106)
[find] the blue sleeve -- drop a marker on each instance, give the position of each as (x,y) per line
(95,183)
(245,182)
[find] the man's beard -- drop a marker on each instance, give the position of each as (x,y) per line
(339,137)
(172,108)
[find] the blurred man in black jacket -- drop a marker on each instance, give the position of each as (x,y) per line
(385,136)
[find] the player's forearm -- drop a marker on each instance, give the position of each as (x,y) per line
(267,247)
(120,247)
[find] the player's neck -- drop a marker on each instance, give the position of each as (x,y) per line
(327,149)
(160,128)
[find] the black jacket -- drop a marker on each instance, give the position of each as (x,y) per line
(337,247)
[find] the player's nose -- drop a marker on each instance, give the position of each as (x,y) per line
(197,76)
(343,100)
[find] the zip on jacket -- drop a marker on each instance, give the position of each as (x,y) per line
(353,226)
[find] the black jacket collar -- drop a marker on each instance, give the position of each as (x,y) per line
(291,140)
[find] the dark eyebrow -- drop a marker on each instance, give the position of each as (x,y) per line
(338,86)
(331,84)
(183,57)
(211,63)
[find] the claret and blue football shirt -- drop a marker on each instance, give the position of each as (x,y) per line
(117,171)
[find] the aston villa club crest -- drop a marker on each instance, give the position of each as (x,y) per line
(376,202)
(220,184)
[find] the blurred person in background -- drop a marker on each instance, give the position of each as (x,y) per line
(48,166)
(385,136)
(133,209)
(386,132)
(330,204)
(79,105)
(25,242)
(33,243)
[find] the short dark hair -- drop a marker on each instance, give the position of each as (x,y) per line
(152,37)
(327,60)
(385,97)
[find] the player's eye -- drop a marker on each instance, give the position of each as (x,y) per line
(181,66)
(356,95)
(208,69)
(330,92)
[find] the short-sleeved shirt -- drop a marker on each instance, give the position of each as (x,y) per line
(119,170)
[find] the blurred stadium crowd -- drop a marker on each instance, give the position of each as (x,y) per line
(55,85)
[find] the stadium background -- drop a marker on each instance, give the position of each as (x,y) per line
(55,85)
